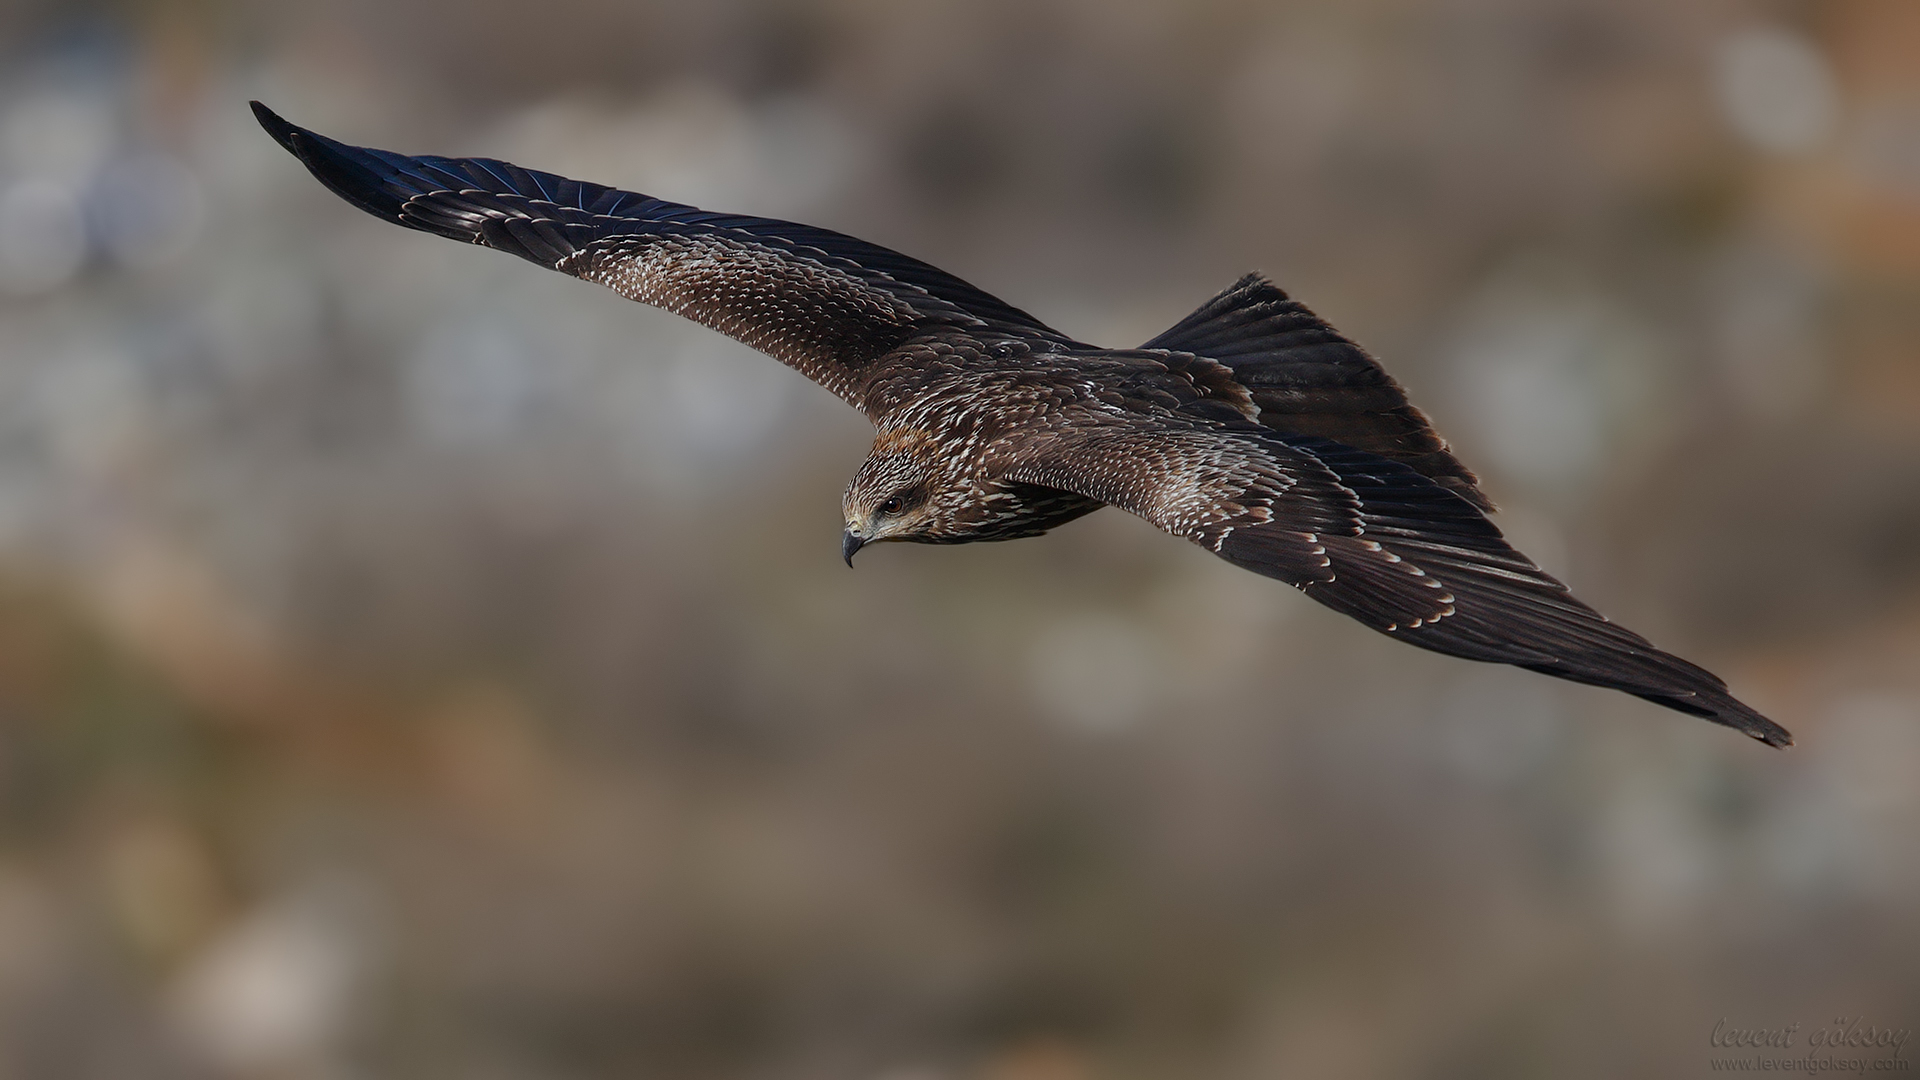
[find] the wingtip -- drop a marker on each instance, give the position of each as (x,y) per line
(1748,720)
(354,173)
(1752,724)
(281,131)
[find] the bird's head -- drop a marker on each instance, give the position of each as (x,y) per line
(891,497)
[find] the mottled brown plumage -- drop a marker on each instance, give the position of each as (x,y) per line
(1251,428)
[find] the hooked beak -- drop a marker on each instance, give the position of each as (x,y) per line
(850,542)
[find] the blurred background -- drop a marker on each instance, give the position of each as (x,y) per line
(413,664)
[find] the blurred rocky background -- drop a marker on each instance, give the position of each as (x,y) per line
(413,664)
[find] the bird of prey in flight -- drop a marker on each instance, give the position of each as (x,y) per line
(1251,427)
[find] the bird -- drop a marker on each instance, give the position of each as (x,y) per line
(1251,427)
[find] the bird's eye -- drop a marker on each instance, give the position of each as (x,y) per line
(891,506)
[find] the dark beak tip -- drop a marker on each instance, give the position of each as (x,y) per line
(849,543)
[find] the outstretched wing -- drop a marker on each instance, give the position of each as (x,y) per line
(1376,540)
(1308,379)
(817,300)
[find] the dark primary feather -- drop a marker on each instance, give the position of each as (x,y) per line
(1308,379)
(1505,609)
(1251,427)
